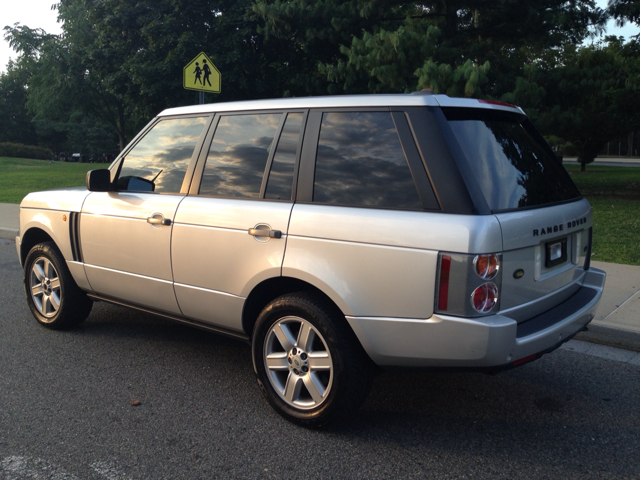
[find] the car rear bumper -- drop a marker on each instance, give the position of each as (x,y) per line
(492,341)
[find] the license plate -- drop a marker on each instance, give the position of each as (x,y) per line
(556,252)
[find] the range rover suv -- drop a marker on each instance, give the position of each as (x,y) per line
(337,235)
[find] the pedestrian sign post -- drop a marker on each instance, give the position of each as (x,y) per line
(201,74)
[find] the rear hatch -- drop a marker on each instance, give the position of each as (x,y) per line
(545,222)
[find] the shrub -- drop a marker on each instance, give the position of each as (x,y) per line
(19,150)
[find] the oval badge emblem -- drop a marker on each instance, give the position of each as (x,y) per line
(518,274)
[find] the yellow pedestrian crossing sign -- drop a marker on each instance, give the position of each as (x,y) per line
(201,74)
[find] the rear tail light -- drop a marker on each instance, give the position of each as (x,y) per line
(468,285)
(485,297)
(486,266)
(443,290)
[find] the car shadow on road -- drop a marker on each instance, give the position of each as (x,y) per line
(557,406)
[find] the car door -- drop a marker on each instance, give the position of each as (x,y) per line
(126,234)
(230,232)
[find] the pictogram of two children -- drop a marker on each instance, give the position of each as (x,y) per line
(198,71)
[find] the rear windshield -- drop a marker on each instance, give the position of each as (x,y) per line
(512,168)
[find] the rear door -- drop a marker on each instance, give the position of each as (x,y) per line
(230,232)
(126,234)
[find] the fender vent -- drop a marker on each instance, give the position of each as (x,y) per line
(74,236)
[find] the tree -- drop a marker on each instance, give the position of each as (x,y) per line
(625,11)
(15,121)
(121,62)
(462,47)
(589,95)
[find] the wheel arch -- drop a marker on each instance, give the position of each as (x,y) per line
(268,290)
(30,239)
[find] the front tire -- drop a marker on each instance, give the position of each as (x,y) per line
(308,362)
(52,294)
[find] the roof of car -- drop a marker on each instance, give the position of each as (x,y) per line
(395,100)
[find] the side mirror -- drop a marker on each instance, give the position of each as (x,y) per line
(99,180)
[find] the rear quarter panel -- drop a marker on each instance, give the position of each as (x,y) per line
(380,263)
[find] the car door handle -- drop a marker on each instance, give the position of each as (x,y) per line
(158,220)
(265,233)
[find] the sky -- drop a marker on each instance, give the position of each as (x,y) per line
(32,13)
(38,14)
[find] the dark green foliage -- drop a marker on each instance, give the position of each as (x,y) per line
(586,95)
(461,47)
(118,63)
(625,11)
(18,150)
(15,121)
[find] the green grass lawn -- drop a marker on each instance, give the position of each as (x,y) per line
(616,230)
(605,181)
(19,176)
(614,194)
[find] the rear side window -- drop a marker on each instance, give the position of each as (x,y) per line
(360,162)
(160,160)
(238,155)
(512,168)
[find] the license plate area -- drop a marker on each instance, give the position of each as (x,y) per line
(555,252)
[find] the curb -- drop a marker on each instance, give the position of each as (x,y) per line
(613,337)
(8,233)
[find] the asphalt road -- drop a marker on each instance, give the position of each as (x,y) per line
(66,413)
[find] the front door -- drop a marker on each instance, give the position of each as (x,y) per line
(126,234)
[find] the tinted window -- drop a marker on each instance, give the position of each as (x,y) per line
(159,161)
(281,175)
(360,162)
(513,170)
(238,155)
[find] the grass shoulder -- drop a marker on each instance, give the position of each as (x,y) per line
(616,230)
(20,176)
(614,194)
(606,181)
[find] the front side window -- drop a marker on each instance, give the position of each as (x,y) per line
(238,155)
(360,162)
(160,160)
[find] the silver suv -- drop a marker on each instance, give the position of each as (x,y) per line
(337,235)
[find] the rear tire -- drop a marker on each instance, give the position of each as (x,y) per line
(52,294)
(308,362)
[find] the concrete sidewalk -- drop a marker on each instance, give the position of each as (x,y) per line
(9,220)
(617,320)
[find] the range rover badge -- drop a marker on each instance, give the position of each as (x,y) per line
(518,274)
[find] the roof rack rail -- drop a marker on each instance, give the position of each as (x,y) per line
(424,91)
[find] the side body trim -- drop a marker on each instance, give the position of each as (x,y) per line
(203,326)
